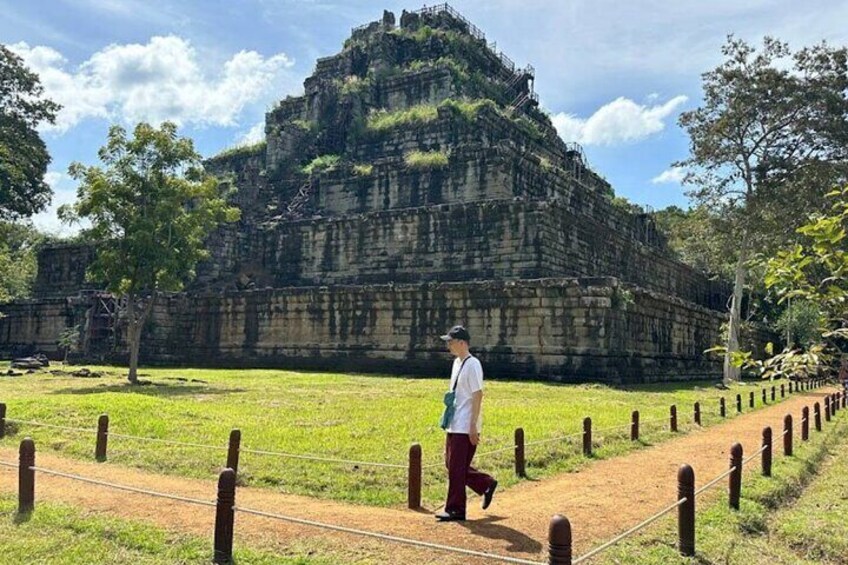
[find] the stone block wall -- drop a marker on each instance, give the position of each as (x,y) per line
(61,269)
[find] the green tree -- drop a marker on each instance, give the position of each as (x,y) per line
(151,207)
(23,155)
(816,269)
(19,243)
(768,142)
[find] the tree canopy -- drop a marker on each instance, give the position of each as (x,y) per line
(151,206)
(769,141)
(23,154)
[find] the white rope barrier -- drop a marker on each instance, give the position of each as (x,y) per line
(632,530)
(168,441)
(123,487)
(714,481)
(754,455)
(4,464)
(386,537)
(323,459)
(42,424)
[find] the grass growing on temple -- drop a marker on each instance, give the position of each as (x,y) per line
(354,417)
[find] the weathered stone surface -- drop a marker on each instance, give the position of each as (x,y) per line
(360,266)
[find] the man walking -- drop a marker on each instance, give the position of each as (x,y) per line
(463,430)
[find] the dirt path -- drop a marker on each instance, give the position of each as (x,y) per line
(603,499)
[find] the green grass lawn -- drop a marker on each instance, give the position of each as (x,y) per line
(796,517)
(356,417)
(59,534)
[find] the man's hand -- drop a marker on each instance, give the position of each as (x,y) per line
(474,437)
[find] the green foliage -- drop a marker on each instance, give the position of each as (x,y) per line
(382,120)
(363,170)
(19,244)
(321,163)
(621,298)
(816,269)
(426,160)
(151,206)
(802,323)
(354,85)
(245,150)
(623,203)
(23,154)
(529,127)
(305,125)
(467,109)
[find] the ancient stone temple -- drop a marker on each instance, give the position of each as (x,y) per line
(414,185)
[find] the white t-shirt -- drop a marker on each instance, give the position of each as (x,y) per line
(470,381)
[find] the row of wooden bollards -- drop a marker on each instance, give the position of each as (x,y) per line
(559,533)
(415,466)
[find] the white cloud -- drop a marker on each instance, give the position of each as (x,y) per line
(619,121)
(160,80)
(674,174)
(48,220)
(253,135)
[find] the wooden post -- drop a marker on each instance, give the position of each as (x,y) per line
(559,541)
(587,437)
(520,462)
(722,407)
(673,418)
(817,416)
(738,403)
(698,413)
(234,450)
(805,423)
(751,399)
(413,497)
(787,435)
(735,477)
(2,420)
(766,457)
(224,517)
(26,476)
(827,409)
(765,400)
(686,511)
(782,390)
(772,393)
(102,437)
(634,426)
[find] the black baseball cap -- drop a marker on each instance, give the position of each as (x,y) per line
(457,332)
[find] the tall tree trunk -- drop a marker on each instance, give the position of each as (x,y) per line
(133,339)
(731,373)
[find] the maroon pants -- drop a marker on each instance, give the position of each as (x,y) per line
(458,455)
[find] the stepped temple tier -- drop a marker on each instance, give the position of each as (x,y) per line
(416,184)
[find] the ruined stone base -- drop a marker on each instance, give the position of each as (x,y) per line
(587,329)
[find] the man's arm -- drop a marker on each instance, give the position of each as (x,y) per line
(476,403)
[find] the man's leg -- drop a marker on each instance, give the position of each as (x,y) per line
(474,479)
(456,451)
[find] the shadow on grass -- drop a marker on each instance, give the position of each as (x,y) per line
(489,528)
(150,389)
(22,517)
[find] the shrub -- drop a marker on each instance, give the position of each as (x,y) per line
(381,120)
(321,163)
(426,160)
(468,109)
(363,170)
(242,150)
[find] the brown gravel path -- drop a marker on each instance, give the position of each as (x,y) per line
(605,498)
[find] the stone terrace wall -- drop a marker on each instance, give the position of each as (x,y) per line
(556,329)
(61,269)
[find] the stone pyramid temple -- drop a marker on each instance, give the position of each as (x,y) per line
(416,184)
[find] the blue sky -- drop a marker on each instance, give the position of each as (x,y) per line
(614,75)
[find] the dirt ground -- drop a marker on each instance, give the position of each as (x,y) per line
(603,499)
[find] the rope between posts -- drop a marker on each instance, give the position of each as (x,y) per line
(325,459)
(494,451)
(654,421)
(168,441)
(67,428)
(123,487)
(4,464)
(634,529)
(386,537)
(715,480)
(611,428)
(753,455)
(552,439)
